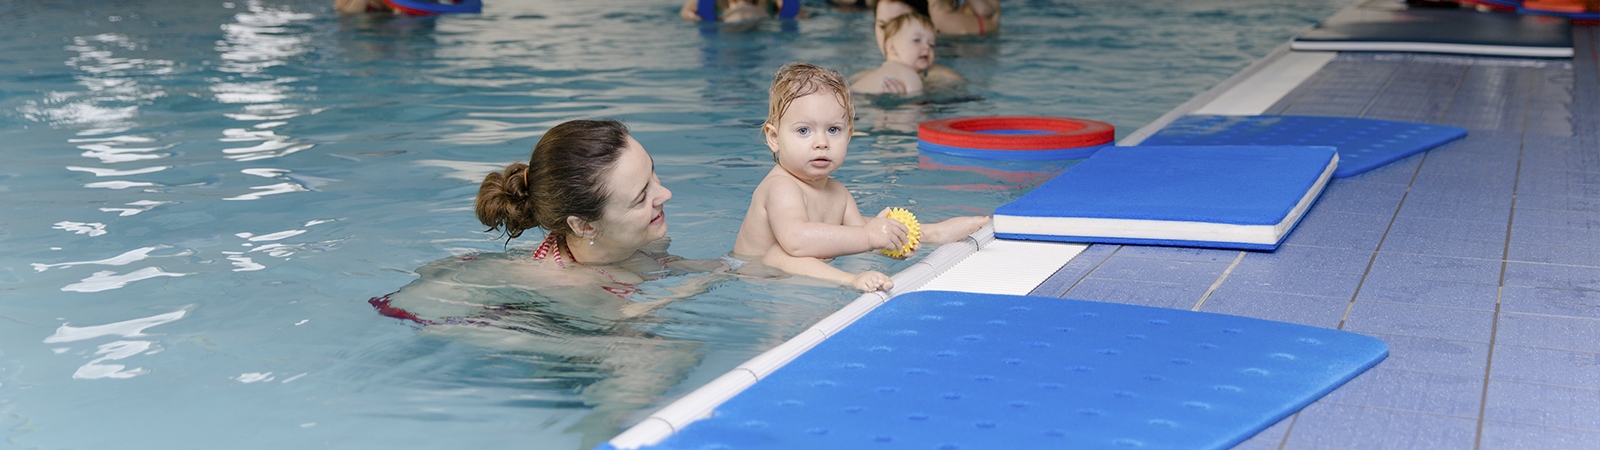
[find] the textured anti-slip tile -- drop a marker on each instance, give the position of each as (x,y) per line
(1399,289)
(1547,366)
(1353,427)
(1337,229)
(1322,258)
(1450,395)
(1571,254)
(1454,211)
(1577,220)
(1442,244)
(1299,279)
(1420,321)
(1075,270)
(1361,197)
(1302,309)
(1556,406)
(1162,295)
(1438,268)
(1555,302)
(1429,355)
(1553,332)
(1519,436)
(1120,267)
(1527,233)
(1552,276)
(1473,230)
(1558,202)
(1189,254)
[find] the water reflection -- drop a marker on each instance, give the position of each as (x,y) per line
(117,350)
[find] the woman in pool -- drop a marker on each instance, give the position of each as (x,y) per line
(574,301)
(950,17)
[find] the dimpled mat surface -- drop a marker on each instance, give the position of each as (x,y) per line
(949,370)
(1364,144)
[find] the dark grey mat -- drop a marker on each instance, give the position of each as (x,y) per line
(1389,26)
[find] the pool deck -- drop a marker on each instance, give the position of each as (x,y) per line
(1478,262)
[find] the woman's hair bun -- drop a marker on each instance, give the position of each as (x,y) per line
(503,201)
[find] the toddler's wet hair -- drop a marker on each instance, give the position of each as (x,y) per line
(798,79)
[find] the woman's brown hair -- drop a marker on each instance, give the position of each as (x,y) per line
(562,178)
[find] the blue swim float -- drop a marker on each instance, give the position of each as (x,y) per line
(1015,138)
(428,8)
(708,10)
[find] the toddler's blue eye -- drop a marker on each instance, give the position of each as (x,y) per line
(803,131)
(834,130)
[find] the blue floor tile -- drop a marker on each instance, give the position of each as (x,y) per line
(1472,230)
(1552,332)
(1570,254)
(1449,395)
(1437,268)
(1454,211)
(1557,202)
(1075,270)
(1354,427)
(1480,198)
(1536,404)
(1120,267)
(1162,295)
(1446,245)
(1554,302)
(1420,321)
(1552,276)
(1517,436)
(1335,229)
(1429,355)
(1553,235)
(1546,366)
(1191,254)
(1293,279)
(1447,294)
(1302,309)
(1559,219)
(1322,258)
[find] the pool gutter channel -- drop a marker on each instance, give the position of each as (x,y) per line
(1268,80)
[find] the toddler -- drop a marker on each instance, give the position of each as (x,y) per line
(908,60)
(799,214)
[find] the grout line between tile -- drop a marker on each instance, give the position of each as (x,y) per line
(1494,325)
(1218,283)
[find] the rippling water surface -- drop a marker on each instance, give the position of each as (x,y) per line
(199,197)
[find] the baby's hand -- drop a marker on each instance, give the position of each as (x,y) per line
(885,233)
(892,85)
(871,281)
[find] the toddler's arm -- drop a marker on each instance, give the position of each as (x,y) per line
(798,236)
(869,281)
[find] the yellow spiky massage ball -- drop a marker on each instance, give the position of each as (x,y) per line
(913,236)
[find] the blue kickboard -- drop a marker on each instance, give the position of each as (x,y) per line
(953,370)
(1247,197)
(1364,144)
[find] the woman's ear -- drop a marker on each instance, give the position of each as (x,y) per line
(581,228)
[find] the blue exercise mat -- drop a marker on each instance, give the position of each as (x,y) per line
(1364,144)
(952,370)
(1246,197)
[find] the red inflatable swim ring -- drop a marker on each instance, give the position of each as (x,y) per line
(1016,132)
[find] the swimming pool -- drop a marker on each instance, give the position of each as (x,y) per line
(200,196)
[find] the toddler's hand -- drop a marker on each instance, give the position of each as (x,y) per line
(885,233)
(871,281)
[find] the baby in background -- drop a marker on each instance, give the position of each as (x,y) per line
(799,215)
(908,60)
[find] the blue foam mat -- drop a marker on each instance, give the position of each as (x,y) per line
(1364,144)
(1246,197)
(950,370)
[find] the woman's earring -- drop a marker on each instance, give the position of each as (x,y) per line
(774,156)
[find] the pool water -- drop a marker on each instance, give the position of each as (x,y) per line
(199,197)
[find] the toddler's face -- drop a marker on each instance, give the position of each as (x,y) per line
(912,45)
(811,139)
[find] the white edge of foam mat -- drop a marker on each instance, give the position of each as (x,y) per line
(699,403)
(1433,47)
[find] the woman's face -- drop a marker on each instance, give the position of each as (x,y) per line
(633,215)
(887,10)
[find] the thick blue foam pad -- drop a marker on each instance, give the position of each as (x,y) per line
(951,370)
(1387,25)
(1246,197)
(1364,144)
